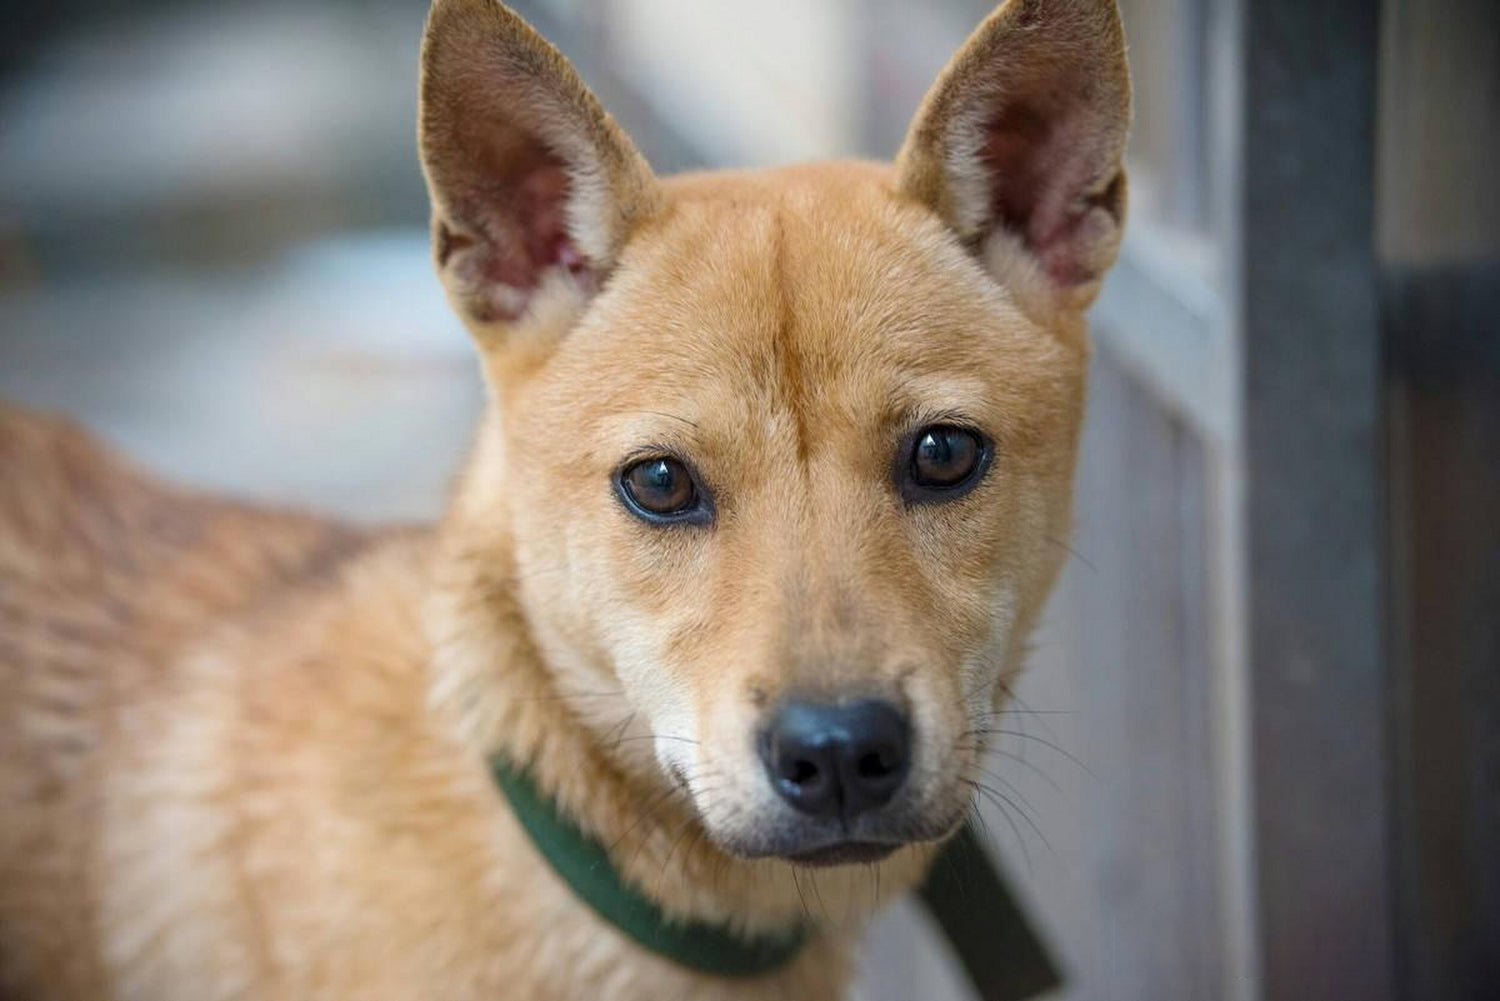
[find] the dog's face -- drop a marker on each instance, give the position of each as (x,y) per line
(784,458)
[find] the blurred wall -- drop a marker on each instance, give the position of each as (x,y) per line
(1439,233)
(212,247)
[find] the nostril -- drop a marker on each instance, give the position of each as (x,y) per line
(800,771)
(876,759)
(876,764)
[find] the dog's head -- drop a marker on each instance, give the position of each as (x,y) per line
(782,460)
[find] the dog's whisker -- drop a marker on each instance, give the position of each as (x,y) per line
(570,696)
(1022,735)
(1020,797)
(1005,815)
(1031,766)
(658,736)
(1011,694)
(1022,808)
(618,732)
(646,836)
(817,894)
(981,825)
(687,826)
(993,713)
(670,417)
(800,895)
(1023,814)
(647,812)
(1072,552)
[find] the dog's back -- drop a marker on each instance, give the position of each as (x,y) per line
(104,574)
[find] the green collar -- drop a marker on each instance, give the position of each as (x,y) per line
(584,865)
(1004,958)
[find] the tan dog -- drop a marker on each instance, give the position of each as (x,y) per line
(773,484)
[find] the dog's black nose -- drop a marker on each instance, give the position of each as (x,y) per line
(837,760)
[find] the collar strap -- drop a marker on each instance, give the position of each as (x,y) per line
(584,865)
(1002,955)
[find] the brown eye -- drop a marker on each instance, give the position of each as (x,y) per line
(944,461)
(661,490)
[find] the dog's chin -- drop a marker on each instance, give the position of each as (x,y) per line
(843,853)
(819,846)
(816,854)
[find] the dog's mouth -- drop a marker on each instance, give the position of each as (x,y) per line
(873,840)
(843,853)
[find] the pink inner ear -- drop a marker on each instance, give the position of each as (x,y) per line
(530,234)
(1040,161)
(517,230)
(543,211)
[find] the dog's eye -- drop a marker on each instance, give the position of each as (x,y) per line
(944,462)
(661,489)
(944,456)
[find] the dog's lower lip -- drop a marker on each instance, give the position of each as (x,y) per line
(844,853)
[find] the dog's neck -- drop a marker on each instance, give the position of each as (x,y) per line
(490,681)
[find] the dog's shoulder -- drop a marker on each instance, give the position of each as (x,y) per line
(107,574)
(145,628)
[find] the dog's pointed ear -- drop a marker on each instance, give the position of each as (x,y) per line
(533,184)
(1019,145)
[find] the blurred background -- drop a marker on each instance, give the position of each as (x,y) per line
(1265,758)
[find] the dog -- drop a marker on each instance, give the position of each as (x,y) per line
(769,491)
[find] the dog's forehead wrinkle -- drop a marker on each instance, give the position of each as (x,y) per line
(785,346)
(833,330)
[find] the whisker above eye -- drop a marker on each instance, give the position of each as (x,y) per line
(670,417)
(1072,552)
